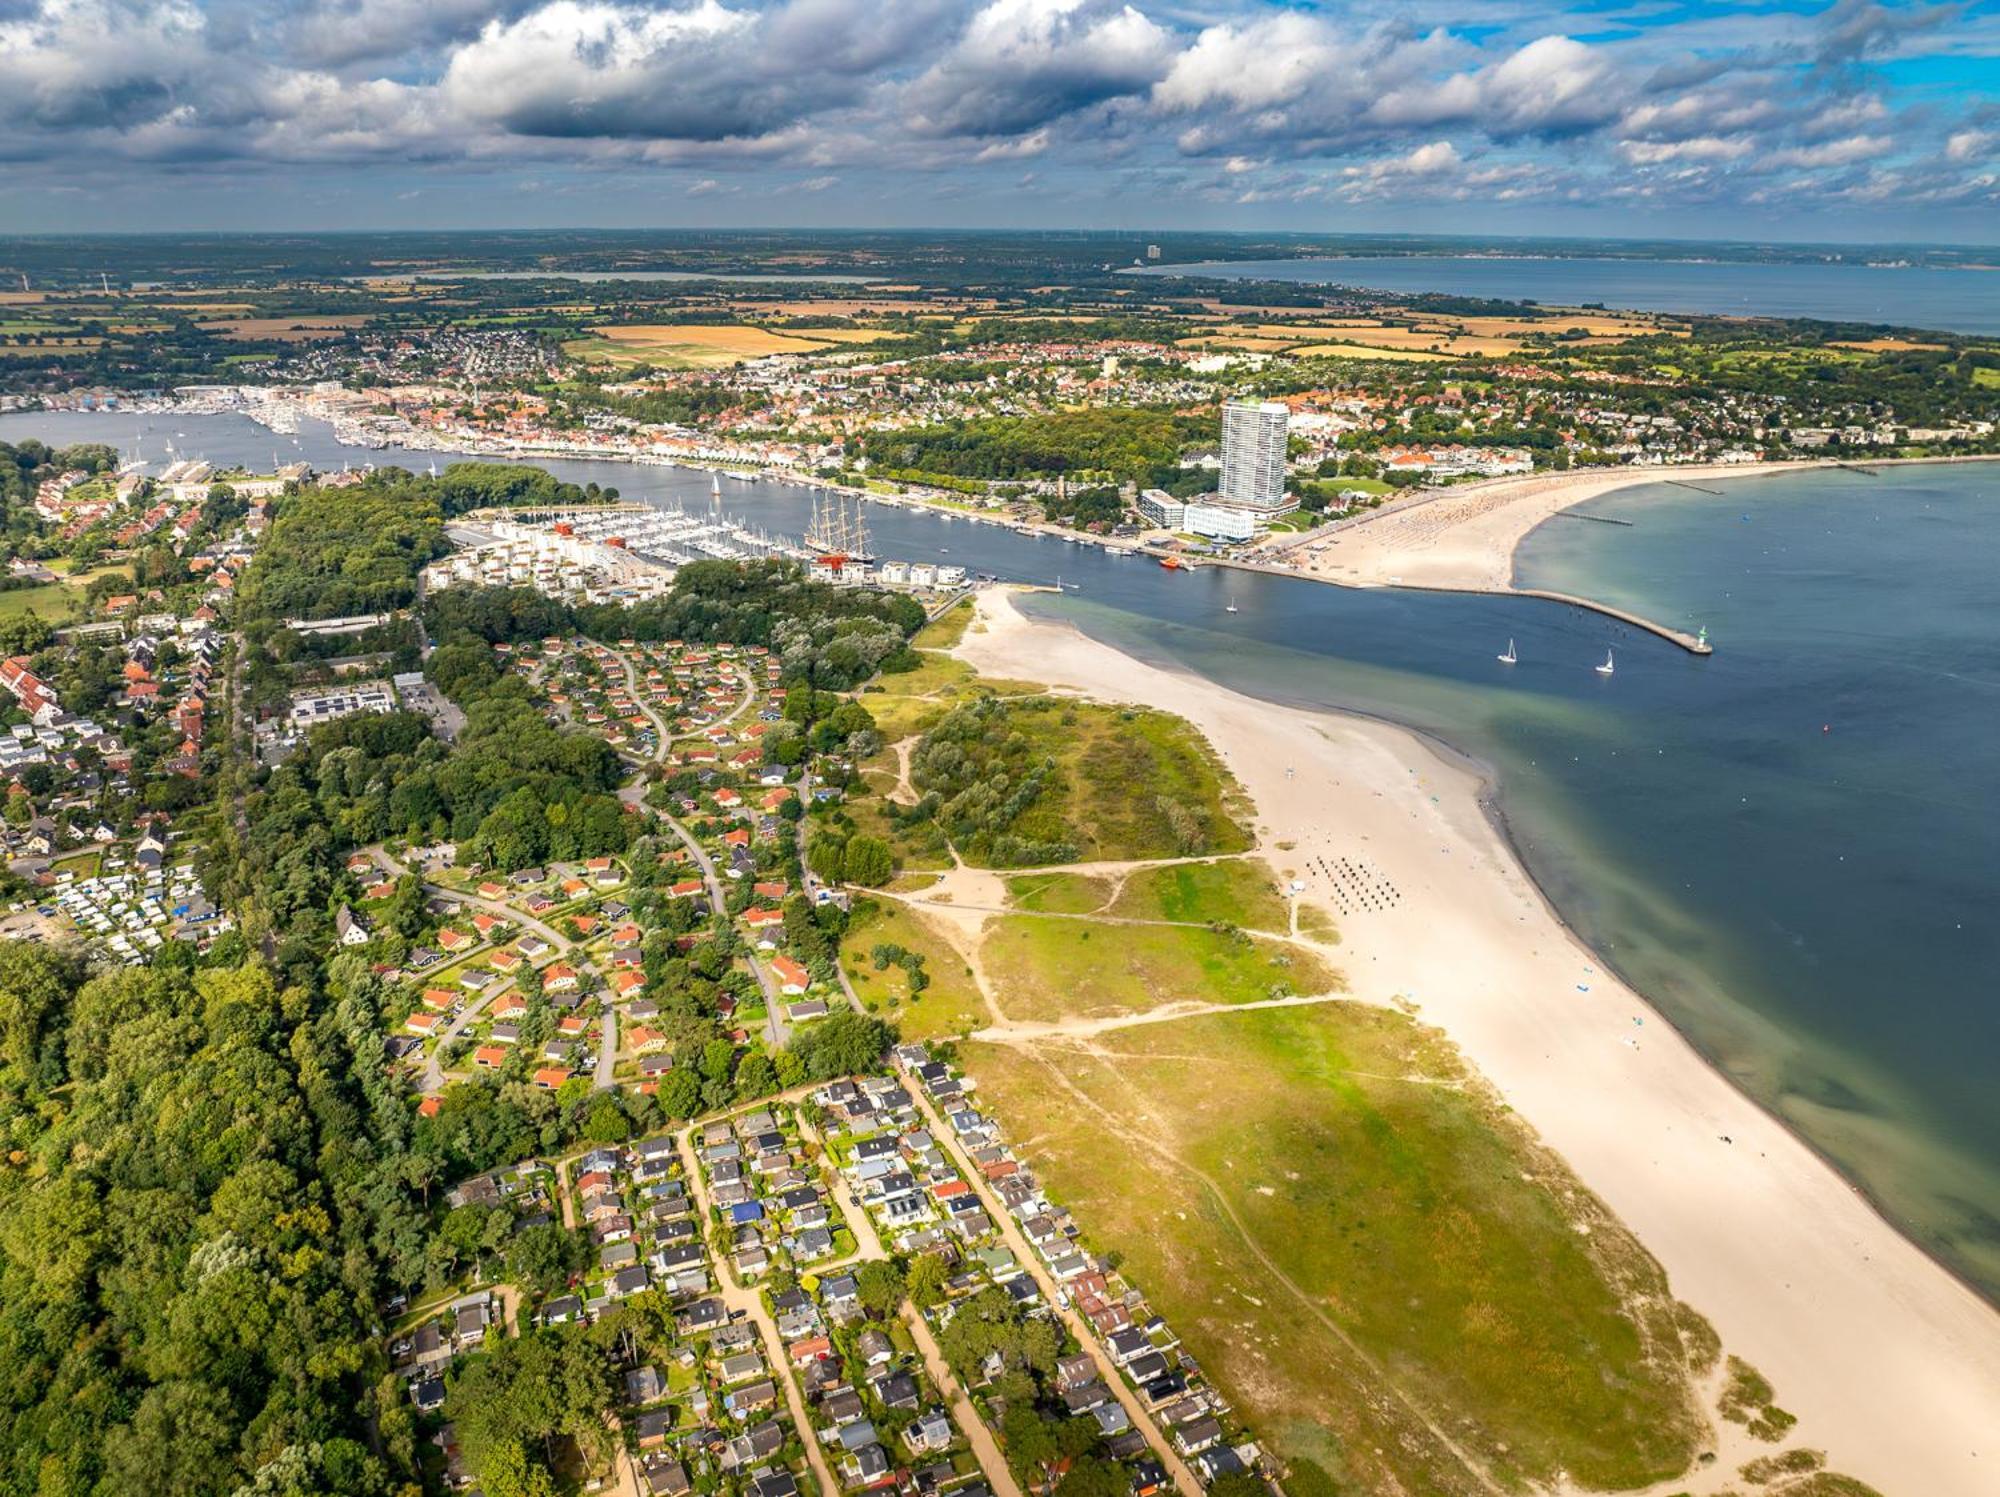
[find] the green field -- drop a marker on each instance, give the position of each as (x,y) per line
(949,1006)
(1236,891)
(54,601)
(1373,1260)
(945,631)
(1058,893)
(1044,970)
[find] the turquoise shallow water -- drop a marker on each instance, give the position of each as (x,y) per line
(1792,847)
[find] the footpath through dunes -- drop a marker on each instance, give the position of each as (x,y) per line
(1891,1367)
(1153,1031)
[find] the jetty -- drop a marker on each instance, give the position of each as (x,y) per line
(1577,514)
(1694,644)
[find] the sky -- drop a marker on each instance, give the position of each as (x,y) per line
(1793,119)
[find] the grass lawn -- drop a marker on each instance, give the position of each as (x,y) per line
(907,703)
(951,1005)
(945,631)
(1059,893)
(1237,891)
(54,601)
(1363,1248)
(1046,970)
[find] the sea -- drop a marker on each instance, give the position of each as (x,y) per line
(1941,299)
(1791,847)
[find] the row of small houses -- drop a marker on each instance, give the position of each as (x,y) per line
(1171,1386)
(774,1207)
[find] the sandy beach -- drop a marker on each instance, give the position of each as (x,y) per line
(1464,538)
(1892,1366)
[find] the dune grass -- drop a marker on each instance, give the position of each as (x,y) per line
(1387,1276)
(1046,970)
(945,631)
(1234,891)
(1058,893)
(948,1007)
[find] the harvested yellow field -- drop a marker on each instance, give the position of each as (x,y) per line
(282,329)
(22,298)
(1360,351)
(1242,343)
(733,339)
(1890,345)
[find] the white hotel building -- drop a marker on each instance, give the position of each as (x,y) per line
(1253,455)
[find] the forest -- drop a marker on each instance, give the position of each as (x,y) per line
(1142,446)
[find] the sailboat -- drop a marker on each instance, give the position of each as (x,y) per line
(1510,657)
(1605,669)
(1232,606)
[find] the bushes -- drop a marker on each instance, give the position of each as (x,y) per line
(984,782)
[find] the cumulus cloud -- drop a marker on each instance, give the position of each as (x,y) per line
(1022,64)
(1256,101)
(1554,85)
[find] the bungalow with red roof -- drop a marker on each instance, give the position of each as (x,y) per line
(792,978)
(548,1078)
(560,978)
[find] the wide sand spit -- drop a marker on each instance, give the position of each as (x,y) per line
(1891,1364)
(1463,538)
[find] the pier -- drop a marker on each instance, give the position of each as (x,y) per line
(1577,514)
(1694,644)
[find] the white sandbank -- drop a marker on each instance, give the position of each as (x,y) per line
(1891,1365)
(1463,538)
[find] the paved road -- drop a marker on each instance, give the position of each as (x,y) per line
(776,1031)
(1085,1333)
(433,1078)
(747,1303)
